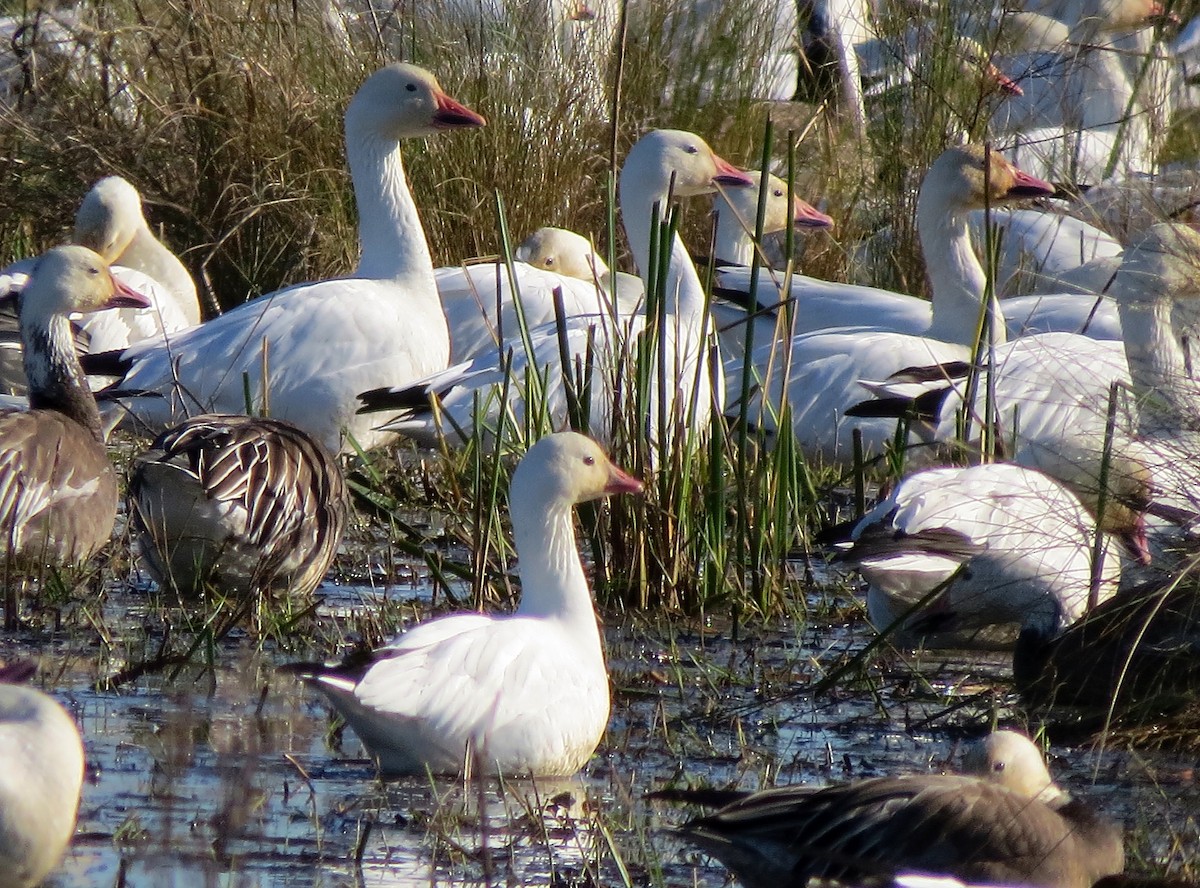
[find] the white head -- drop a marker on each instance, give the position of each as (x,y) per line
(109,216)
(562,251)
(1011,760)
(405,101)
(73,278)
(662,156)
(568,468)
(970,177)
(743,202)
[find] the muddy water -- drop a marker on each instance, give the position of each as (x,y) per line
(230,776)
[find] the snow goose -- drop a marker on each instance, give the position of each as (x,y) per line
(1009,825)
(1049,393)
(58,491)
(1089,122)
(661,163)
(1001,543)
(110,222)
(519,694)
(826,365)
(244,505)
(39,795)
(562,251)
(959,181)
(320,344)
(481,309)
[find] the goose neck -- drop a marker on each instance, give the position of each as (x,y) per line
(683,287)
(733,244)
(552,580)
(1169,398)
(56,381)
(389,229)
(956,277)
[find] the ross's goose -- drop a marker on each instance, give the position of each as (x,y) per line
(58,490)
(43,776)
(1009,825)
(680,389)
(239,504)
(303,353)
(1001,544)
(520,694)
(826,365)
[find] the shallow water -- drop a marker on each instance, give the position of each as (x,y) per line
(230,776)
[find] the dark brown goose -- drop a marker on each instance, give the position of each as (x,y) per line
(58,491)
(239,504)
(1010,825)
(1137,653)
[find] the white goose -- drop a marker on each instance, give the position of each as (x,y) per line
(322,343)
(519,694)
(952,189)
(110,222)
(1089,123)
(1050,392)
(1005,545)
(737,217)
(468,395)
(826,365)
(39,797)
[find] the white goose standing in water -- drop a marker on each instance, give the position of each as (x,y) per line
(525,693)
(322,343)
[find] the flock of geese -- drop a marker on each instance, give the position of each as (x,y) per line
(1046,541)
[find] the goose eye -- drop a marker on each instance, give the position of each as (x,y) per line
(411,87)
(549,261)
(692,149)
(589,460)
(777,193)
(93,270)
(998,766)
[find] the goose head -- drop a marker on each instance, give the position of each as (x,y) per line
(743,202)
(1128,488)
(567,468)
(73,278)
(404,101)
(971,177)
(109,217)
(679,162)
(562,251)
(1011,760)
